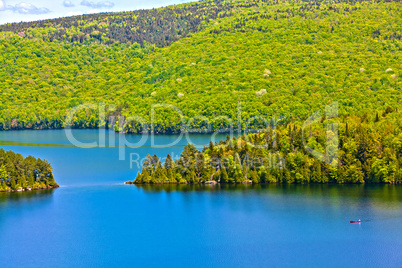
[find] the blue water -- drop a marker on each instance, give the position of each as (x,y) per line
(94,219)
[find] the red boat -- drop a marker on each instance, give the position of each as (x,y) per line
(359,221)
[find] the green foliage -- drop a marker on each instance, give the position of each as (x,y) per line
(19,173)
(159,26)
(369,152)
(224,176)
(274,58)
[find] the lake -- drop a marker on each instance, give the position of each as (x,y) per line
(94,219)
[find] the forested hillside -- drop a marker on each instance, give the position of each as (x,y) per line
(156,26)
(18,173)
(370,151)
(273,58)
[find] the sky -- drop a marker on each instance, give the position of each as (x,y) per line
(31,10)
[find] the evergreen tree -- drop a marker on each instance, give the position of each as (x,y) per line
(13,184)
(224,176)
(254,177)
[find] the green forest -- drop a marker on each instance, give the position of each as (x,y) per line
(273,58)
(23,174)
(368,148)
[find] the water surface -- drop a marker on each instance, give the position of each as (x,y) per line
(94,219)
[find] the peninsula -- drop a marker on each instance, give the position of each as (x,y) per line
(366,149)
(19,174)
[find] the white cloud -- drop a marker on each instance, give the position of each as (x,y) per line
(25,8)
(68,3)
(2,5)
(103,4)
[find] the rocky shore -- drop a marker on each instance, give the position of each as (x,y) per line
(35,188)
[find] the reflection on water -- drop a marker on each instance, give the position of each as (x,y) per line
(26,196)
(386,192)
(95,220)
(95,138)
(381,195)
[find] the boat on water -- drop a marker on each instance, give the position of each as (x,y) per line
(359,221)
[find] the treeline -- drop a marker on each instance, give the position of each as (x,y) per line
(160,26)
(20,174)
(367,149)
(288,60)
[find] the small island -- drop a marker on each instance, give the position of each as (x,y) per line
(358,149)
(19,174)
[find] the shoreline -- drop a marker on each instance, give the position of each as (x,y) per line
(168,133)
(250,182)
(30,189)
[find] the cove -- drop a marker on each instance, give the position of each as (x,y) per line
(94,219)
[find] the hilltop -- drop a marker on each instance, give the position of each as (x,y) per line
(273,58)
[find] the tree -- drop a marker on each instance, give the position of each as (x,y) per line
(3,173)
(224,175)
(13,184)
(254,177)
(169,164)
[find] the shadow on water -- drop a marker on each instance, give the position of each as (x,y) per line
(194,187)
(27,196)
(379,192)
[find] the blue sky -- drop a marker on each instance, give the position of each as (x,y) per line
(30,10)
